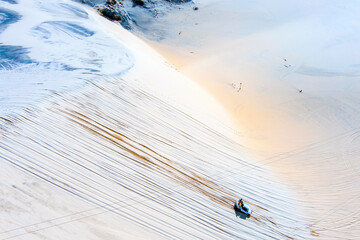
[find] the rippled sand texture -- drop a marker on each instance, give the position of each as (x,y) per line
(288,73)
(124,155)
(147,155)
(142,152)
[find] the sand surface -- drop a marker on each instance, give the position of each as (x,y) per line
(160,142)
(288,74)
(138,152)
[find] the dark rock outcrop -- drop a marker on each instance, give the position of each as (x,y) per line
(116,10)
(138,3)
(110,13)
(113,3)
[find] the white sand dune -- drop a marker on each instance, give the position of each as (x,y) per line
(145,154)
(298,107)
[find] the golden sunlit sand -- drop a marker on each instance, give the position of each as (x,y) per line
(304,126)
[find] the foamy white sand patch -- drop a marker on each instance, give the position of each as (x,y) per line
(51,46)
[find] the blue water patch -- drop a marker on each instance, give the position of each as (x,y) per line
(10,1)
(76,11)
(12,56)
(73,30)
(7,17)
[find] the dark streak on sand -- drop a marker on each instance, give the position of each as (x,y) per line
(157,162)
(7,17)
(12,56)
(10,1)
(76,11)
(70,29)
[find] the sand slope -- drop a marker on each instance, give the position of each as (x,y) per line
(146,154)
(288,73)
